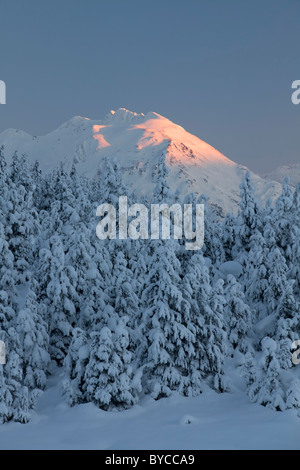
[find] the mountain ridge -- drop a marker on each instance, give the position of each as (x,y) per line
(292,171)
(137,141)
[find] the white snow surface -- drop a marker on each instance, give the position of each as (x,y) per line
(137,141)
(211,421)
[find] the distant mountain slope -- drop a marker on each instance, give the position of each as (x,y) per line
(292,171)
(137,141)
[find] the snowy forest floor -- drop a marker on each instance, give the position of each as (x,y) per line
(211,421)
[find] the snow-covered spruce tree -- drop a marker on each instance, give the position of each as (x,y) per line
(277,279)
(193,282)
(287,325)
(167,351)
(20,173)
(91,257)
(46,195)
(14,399)
(80,190)
(62,189)
(267,389)
(296,204)
(12,392)
(107,187)
(13,374)
(293,395)
(108,379)
(282,218)
(32,331)
(162,192)
(3,165)
(7,314)
(238,314)
(108,184)
(90,285)
(207,318)
(59,214)
(248,371)
(6,398)
(122,295)
(4,182)
(217,253)
(249,218)
(38,184)
(79,253)
(22,227)
(294,262)
(213,247)
(137,265)
(99,302)
(216,338)
(256,274)
(8,276)
(26,344)
(229,236)
(75,364)
(268,232)
(61,298)
(8,273)
(182,253)
(294,265)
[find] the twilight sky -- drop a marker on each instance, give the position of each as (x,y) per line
(221,69)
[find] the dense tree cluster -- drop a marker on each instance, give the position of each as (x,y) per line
(125,318)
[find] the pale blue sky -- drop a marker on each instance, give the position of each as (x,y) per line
(221,69)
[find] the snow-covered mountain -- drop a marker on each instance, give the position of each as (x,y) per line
(137,141)
(292,171)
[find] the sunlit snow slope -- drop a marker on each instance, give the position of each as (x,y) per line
(137,141)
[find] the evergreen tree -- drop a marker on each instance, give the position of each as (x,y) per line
(74,367)
(249,219)
(278,282)
(216,338)
(22,227)
(282,217)
(288,325)
(269,390)
(167,340)
(238,314)
(122,295)
(32,331)
(61,299)
(293,395)
(256,274)
(109,375)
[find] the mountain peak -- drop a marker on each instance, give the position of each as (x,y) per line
(122,115)
(75,121)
